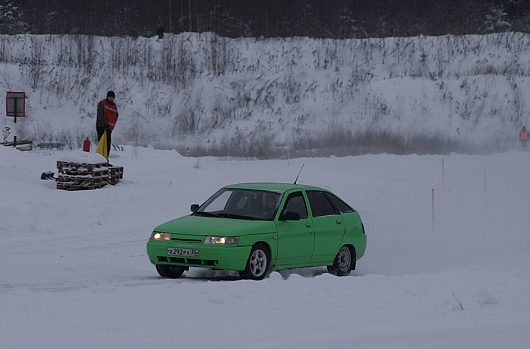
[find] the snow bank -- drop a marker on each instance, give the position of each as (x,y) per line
(205,94)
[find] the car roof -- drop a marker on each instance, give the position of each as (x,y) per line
(276,187)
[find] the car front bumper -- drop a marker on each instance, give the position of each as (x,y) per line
(209,256)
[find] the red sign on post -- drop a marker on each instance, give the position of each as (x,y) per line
(16,104)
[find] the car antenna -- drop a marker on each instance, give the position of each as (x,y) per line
(296,180)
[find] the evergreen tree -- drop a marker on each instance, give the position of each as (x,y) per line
(496,20)
(10,18)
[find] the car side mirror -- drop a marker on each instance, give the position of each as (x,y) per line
(194,208)
(290,216)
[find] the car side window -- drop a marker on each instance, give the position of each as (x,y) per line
(320,205)
(295,203)
(339,204)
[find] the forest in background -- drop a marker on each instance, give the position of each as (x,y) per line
(267,18)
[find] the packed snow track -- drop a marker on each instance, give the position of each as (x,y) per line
(74,271)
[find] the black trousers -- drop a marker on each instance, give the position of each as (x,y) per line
(101,131)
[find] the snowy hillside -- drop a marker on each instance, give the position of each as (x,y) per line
(205,94)
(74,271)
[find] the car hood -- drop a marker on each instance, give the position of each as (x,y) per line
(204,226)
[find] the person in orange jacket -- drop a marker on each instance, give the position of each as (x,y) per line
(523,136)
(107,117)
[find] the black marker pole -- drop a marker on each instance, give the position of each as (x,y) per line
(15,135)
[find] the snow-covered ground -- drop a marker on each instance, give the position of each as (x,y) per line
(74,272)
(206,94)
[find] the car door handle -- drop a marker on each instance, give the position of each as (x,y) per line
(308,225)
(339,221)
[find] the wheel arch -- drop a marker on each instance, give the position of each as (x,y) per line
(267,246)
(247,273)
(272,256)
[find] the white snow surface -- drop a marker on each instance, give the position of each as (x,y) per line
(202,92)
(83,157)
(74,271)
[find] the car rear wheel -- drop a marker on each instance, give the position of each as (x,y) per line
(344,262)
(258,263)
(170,271)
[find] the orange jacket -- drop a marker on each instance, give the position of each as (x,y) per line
(110,113)
(523,135)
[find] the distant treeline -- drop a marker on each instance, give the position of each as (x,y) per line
(267,18)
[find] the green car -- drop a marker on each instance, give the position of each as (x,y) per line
(257,227)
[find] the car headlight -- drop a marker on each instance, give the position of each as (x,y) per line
(221,240)
(160,236)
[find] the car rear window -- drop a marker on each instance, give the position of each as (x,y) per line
(320,205)
(339,204)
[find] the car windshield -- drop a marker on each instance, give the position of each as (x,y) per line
(241,204)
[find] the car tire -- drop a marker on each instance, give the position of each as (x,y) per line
(258,263)
(344,262)
(170,271)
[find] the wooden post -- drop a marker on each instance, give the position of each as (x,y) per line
(485,191)
(432,205)
(15,128)
(443,173)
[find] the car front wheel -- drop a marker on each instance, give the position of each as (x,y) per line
(344,262)
(170,271)
(258,263)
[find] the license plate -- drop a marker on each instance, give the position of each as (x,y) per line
(186,252)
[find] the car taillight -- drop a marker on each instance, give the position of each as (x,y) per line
(364,232)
